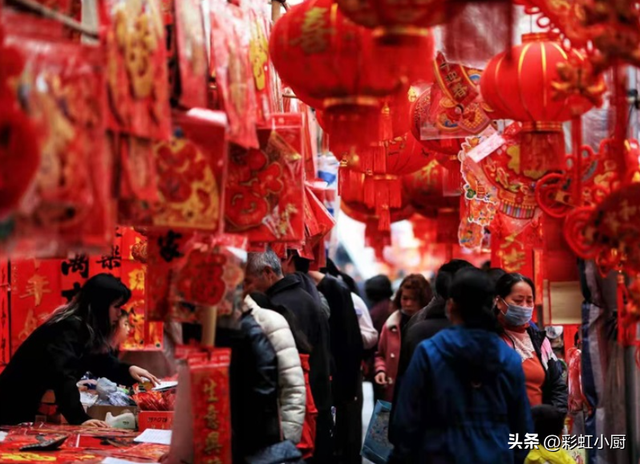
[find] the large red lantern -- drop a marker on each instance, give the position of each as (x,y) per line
(522,89)
(324,56)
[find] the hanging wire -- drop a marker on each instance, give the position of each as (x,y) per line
(45,12)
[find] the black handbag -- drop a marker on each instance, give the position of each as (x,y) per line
(280,453)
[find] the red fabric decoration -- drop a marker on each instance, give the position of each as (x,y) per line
(424,189)
(522,89)
(264,191)
(310,44)
(137,77)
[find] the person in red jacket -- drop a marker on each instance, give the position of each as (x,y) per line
(414,294)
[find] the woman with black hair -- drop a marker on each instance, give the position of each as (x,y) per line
(515,299)
(463,394)
(76,339)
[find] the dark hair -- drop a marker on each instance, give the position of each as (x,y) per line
(301,264)
(417,283)
(446,273)
(495,274)
(505,284)
(299,336)
(548,420)
(346,279)
(91,306)
(378,288)
(473,292)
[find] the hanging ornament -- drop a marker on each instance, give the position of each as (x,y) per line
(522,88)
(322,54)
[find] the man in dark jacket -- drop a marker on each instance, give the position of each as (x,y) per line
(255,419)
(346,360)
(264,274)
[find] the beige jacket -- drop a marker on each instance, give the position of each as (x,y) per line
(293,399)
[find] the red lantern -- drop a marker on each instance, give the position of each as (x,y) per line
(323,55)
(424,189)
(522,89)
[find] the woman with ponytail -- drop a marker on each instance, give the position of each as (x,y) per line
(464,393)
(77,338)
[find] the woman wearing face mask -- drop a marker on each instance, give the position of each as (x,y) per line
(543,373)
(413,295)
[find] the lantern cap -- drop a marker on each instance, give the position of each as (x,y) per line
(540,37)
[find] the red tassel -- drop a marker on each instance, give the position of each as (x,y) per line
(370,192)
(395,192)
(384,219)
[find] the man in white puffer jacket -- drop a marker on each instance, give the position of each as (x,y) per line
(293,400)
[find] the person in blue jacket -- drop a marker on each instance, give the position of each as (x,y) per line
(464,392)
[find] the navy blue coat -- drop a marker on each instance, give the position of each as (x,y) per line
(463,394)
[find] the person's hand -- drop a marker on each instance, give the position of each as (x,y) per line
(381,378)
(93,423)
(142,375)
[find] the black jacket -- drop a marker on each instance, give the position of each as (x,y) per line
(554,388)
(346,340)
(423,325)
(54,357)
(253,381)
(288,292)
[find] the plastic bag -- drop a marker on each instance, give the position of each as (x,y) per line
(110,394)
(376,447)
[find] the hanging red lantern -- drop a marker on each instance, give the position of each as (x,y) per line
(424,189)
(323,55)
(522,88)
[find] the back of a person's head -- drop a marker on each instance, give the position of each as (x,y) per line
(301,264)
(495,274)
(446,274)
(473,293)
(548,420)
(378,288)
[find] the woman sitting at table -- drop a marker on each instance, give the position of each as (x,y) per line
(74,340)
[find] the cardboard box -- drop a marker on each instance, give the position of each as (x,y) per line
(162,420)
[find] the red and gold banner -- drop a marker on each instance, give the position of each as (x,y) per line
(211,408)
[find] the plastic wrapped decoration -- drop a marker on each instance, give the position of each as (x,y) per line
(262,71)
(192,54)
(61,91)
(264,190)
(230,54)
(513,241)
(137,79)
(314,39)
(191,171)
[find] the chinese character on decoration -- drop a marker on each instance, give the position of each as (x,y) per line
(112,261)
(78,264)
(169,246)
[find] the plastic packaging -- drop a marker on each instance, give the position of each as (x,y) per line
(124,421)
